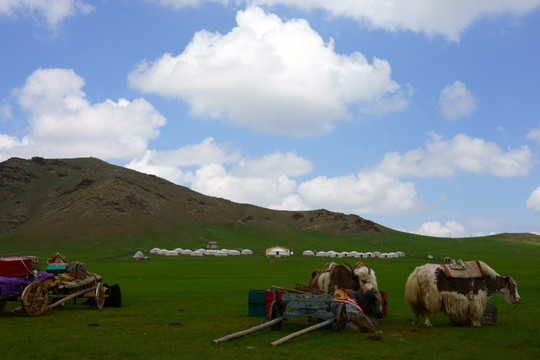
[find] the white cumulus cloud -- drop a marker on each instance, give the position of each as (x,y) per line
(269,180)
(366,192)
(457,101)
(52,12)
(444,158)
(430,17)
(63,123)
(534,134)
(533,202)
(448,229)
(220,170)
(272,76)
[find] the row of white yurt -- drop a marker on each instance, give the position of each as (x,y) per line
(354,254)
(200,252)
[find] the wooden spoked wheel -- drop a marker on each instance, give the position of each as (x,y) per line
(341,317)
(99,299)
(275,311)
(35,299)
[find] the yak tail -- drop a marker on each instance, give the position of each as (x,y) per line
(412,292)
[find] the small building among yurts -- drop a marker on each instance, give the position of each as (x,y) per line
(247,252)
(278,251)
(212,245)
(308,253)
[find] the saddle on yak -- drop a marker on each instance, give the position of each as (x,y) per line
(463,270)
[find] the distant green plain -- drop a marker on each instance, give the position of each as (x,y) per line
(172,308)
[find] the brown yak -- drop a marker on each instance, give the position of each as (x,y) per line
(361,278)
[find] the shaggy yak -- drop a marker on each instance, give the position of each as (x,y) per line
(361,278)
(433,288)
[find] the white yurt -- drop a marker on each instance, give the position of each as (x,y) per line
(138,255)
(234,252)
(171,253)
(308,253)
(392,255)
(247,252)
(369,255)
(162,251)
(186,252)
(179,250)
(343,254)
(195,253)
(331,254)
(359,255)
(154,250)
(220,253)
(376,254)
(400,253)
(321,254)
(278,251)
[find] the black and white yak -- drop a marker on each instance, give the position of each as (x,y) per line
(431,289)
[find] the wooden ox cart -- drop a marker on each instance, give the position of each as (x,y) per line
(43,291)
(296,303)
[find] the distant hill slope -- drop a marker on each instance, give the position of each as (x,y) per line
(86,197)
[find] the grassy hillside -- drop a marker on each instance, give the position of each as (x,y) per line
(84,199)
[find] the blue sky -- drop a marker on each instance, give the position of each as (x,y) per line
(423,116)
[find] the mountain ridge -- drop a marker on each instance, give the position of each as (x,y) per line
(86,197)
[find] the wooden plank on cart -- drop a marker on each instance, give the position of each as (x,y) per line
(302,332)
(248,331)
(74,295)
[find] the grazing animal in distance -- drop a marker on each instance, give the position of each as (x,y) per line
(433,288)
(361,278)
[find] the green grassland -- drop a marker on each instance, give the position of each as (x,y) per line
(174,307)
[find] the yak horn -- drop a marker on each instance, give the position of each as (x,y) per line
(354,276)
